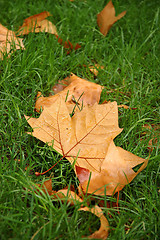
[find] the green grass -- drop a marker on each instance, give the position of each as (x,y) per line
(130,55)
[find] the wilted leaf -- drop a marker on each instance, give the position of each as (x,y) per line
(72,86)
(106,18)
(8,41)
(37,23)
(102,233)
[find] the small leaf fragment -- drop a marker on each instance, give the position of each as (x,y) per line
(46,187)
(70,196)
(102,233)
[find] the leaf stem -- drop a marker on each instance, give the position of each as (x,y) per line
(38,174)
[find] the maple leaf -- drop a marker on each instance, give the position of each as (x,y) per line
(72,198)
(8,41)
(83,91)
(37,23)
(106,18)
(84,138)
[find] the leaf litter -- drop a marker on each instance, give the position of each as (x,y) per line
(85,139)
(84,136)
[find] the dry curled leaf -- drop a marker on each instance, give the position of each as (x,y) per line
(87,92)
(106,18)
(102,233)
(8,41)
(37,23)
(72,198)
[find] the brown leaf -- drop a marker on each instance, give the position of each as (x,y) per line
(106,18)
(9,41)
(46,187)
(67,44)
(37,23)
(84,138)
(102,233)
(73,86)
(116,172)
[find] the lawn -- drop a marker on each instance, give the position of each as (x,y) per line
(130,55)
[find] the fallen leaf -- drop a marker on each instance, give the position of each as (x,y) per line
(8,41)
(37,23)
(70,196)
(106,18)
(46,187)
(67,44)
(72,86)
(123,106)
(95,68)
(102,233)
(73,199)
(84,138)
(116,172)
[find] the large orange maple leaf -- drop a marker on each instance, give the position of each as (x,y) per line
(86,139)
